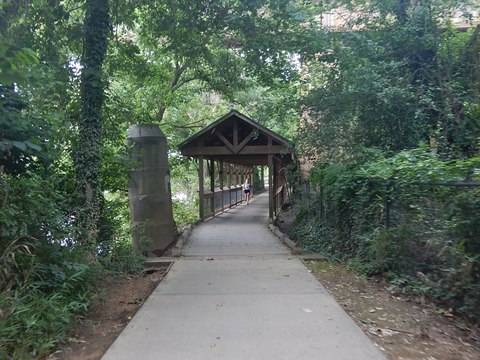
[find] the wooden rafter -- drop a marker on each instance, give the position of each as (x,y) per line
(235,149)
(245,141)
(227,143)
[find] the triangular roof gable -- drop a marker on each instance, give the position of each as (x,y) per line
(207,130)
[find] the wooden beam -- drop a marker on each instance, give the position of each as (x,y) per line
(229,181)
(236,166)
(201,189)
(245,160)
(221,181)
(226,142)
(235,133)
(223,150)
(244,142)
(233,148)
(212,185)
(244,176)
(258,149)
(262,176)
(271,197)
(250,169)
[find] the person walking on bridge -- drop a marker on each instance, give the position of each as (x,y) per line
(246,190)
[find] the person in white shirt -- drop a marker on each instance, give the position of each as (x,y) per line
(246,190)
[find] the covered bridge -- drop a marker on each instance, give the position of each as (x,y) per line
(227,151)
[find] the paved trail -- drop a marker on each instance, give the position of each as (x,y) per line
(237,293)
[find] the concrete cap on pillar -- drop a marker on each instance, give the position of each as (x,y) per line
(143,131)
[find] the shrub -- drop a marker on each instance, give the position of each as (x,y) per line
(387,216)
(45,282)
(121,257)
(51,290)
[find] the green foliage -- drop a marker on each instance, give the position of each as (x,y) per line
(46,281)
(388,216)
(17,136)
(364,95)
(406,77)
(184,213)
(87,159)
(121,257)
(32,208)
(44,285)
(12,60)
(51,289)
(114,247)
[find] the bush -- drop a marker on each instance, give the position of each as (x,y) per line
(115,250)
(123,258)
(386,217)
(51,290)
(184,212)
(45,282)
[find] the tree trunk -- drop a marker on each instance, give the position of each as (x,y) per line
(96,31)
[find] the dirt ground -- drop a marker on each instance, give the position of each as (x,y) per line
(118,300)
(405,328)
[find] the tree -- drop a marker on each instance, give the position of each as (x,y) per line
(97,29)
(388,81)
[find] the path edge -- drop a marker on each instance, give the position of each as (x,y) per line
(285,239)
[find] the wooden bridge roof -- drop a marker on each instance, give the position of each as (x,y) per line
(237,139)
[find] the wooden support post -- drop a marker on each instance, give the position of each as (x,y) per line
(242,178)
(238,181)
(235,167)
(221,181)
(276,185)
(252,180)
(201,189)
(271,190)
(235,133)
(262,176)
(245,176)
(229,182)
(212,186)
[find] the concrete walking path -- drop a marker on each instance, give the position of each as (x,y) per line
(237,293)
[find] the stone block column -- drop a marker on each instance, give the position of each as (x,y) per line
(149,190)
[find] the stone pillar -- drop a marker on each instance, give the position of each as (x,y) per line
(149,190)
